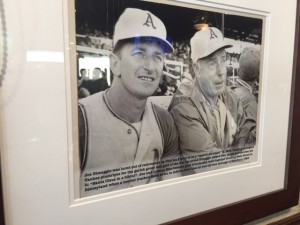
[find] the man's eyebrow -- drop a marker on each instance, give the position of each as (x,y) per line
(159,52)
(213,57)
(141,48)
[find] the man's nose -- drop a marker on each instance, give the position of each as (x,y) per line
(221,67)
(149,63)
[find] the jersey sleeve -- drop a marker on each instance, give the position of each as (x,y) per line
(169,133)
(171,147)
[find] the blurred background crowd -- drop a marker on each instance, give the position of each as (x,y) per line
(94,43)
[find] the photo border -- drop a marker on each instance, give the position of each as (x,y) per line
(74,164)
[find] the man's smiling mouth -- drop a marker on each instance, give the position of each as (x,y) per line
(219,83)
(149,79)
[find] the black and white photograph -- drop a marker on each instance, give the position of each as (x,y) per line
(143,112)
(164,91)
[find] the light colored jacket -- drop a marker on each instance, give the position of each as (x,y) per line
(196,125)
(244,92)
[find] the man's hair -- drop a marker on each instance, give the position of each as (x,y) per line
(120,44)
(191,69)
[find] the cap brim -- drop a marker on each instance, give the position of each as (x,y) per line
(167,47)
(215,48)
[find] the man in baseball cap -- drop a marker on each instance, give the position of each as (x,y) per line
(248,72)
(120,127)
(207,114)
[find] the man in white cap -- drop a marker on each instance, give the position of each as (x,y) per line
(248,72)
(120,130)
(208,116)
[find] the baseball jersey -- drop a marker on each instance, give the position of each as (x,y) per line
(108,143)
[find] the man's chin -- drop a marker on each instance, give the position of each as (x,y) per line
(145,95)
(220,91)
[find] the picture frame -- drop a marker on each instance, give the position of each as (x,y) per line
(94,34)
(57,197)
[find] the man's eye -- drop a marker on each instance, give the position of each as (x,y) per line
(138,53)
(212,63)
(158,58)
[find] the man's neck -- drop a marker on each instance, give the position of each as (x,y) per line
(212,100)
(129,108)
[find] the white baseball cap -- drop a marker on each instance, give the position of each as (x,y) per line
(206,42)
(140,23)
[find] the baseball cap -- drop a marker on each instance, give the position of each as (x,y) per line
(249,64)
(206,42)
(136,23)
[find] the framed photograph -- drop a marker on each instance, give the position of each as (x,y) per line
(196,150)
(103,131)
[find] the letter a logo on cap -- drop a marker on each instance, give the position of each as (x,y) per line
(212,34)
(149,21)
(135,23)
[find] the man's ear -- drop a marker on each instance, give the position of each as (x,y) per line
(115,64)
(196,68)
